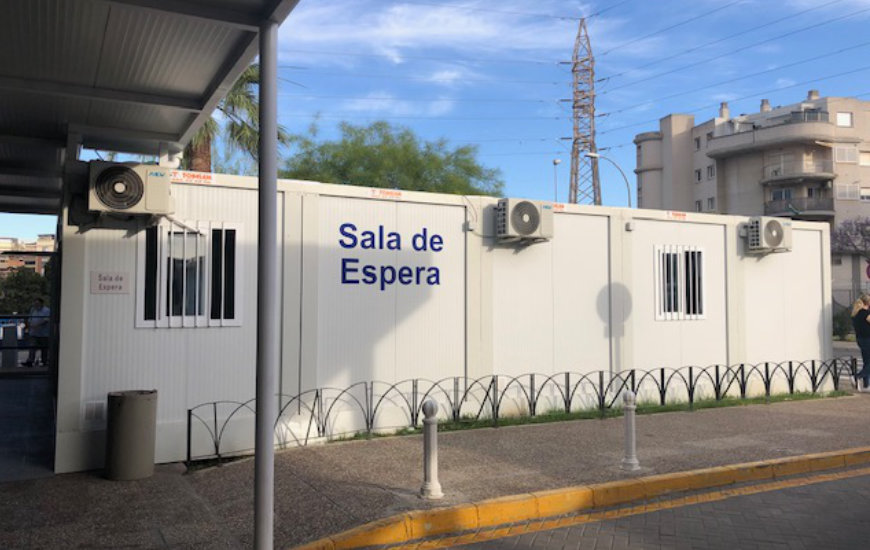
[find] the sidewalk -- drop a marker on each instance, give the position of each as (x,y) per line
(324,490)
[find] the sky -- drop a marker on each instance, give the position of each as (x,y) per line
(496,75)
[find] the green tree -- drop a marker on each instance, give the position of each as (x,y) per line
(381,155)
(241,128)
(20,288)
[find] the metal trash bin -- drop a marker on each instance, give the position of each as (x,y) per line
(130,434)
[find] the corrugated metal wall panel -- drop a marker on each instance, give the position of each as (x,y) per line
(156,52)
(142,117)
(430,319)
(37,36)
(38,116)
(188,366)
(395,331)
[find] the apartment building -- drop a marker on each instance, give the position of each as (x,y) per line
(808,160)
(29,256)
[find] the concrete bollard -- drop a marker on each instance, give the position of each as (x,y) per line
(629,405)
(431,487)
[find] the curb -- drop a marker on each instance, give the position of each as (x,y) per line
(543,504)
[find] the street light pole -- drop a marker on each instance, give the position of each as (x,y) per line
(556,180)
(592,155)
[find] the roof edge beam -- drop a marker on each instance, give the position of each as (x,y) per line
(27,141)
(30,191)
(10,205)
(32,86)
(229,18)
(30,172)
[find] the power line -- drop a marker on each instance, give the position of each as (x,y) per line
(726,54)
(491,10)
(607,9)
(356,115)
(420,99)
(830,101)
(427,58)
(307,70)
(736,79)
(717,41)
(713,106)
(671,27)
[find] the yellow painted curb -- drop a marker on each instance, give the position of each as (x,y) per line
(545,504)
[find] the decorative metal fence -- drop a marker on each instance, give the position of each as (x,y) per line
(223,428)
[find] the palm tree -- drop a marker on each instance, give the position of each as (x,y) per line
(241,109)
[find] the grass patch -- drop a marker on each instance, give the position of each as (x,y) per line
(469,423)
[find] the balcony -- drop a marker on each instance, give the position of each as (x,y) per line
(804,208)
(788,172)
(795,127)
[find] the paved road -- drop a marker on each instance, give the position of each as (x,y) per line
(829,515)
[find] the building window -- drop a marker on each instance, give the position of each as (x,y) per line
(847,191)
(697,144)
(844,120)
(865,194)
(864,158)
(679,292)
(709,136)
(815,192)
(711,203)
(846,153)
(783,194)
(711,171)
(188,275)
(697,175)
(836,260)
(698,206)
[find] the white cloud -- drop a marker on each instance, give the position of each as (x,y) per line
(398,30)
(785,82)
(385,103)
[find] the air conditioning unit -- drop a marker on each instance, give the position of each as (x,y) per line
(766,234)
(129,188)
(524,219)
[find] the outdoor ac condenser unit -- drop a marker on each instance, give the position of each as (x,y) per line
(129,188)
(765,234)
(524,219)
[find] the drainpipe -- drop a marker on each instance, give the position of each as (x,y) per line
(268,311)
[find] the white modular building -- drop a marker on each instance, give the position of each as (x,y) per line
(387,285)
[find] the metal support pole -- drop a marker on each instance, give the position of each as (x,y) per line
(431,487)
(268,312)
(629,405)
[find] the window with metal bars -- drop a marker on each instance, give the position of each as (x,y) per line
(679,280)
(188,275)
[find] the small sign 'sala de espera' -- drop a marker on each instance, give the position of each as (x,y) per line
(355,272)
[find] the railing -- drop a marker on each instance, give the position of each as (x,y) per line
(798,206)
(12,345)
(785,169)
(374,406)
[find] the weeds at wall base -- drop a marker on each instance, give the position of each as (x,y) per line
(591,414)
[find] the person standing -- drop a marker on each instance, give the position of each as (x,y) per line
(39,331)
(861,324)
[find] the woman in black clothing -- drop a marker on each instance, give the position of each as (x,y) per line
(861,323)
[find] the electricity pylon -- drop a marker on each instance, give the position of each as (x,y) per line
(585,187)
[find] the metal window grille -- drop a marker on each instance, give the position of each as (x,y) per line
(189,275)
(679,276)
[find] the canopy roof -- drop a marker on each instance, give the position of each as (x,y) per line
(138,76)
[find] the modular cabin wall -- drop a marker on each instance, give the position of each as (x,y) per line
(786,303)
(661,340)
(383,287)
(387,286)
(549,302)
(102,350)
